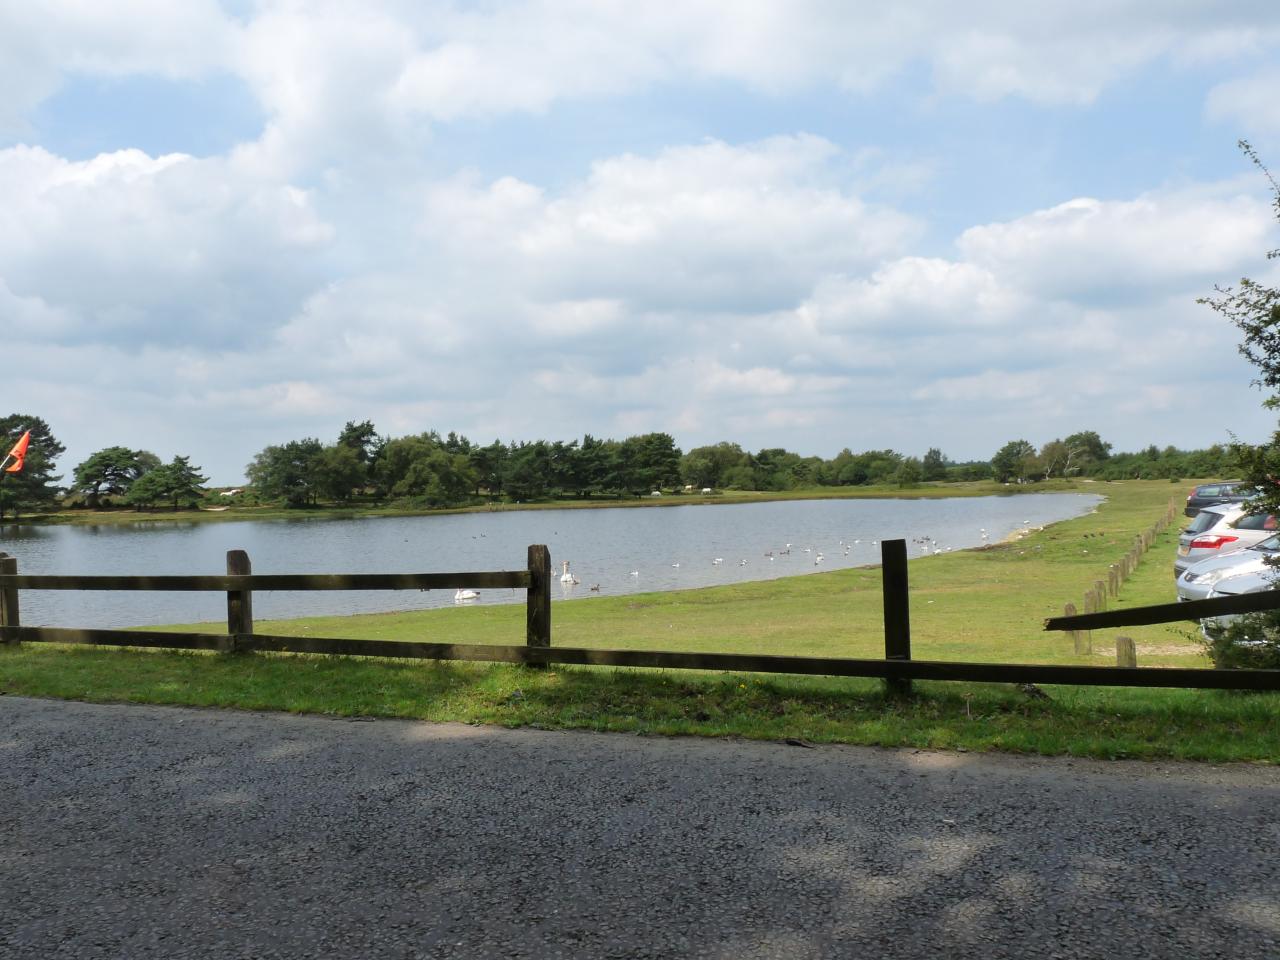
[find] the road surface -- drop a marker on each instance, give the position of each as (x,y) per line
(134,831)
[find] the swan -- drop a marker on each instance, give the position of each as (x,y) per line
(568,577)
(462,595)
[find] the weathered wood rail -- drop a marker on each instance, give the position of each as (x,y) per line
(897,668)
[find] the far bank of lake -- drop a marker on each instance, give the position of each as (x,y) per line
(620,550)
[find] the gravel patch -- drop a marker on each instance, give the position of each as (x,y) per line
(136,831)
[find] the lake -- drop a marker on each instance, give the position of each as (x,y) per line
(623,550)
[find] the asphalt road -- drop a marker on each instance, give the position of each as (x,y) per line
(140,832)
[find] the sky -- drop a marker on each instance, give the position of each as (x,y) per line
(810,224)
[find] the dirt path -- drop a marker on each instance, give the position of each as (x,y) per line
(153,832)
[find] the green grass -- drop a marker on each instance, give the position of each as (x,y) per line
(984,605)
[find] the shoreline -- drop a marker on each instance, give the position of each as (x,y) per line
(936,491)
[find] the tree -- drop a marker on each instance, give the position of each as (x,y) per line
(1014,461)
(1255,309)
(111,471)
(654,460)
(35,485)
(934,465)
(1085,449)
(909,472)
(709,466)
(175,481)
(489,464)
(339,472)
(287,472)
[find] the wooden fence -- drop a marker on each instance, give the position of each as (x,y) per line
(897,668)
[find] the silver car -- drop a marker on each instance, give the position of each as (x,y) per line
(1267,579)
(1223,528)
(1199,580)
(1246,571)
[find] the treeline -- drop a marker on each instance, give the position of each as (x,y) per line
(431,470)
(113,475)
(442,471)
(1086,454)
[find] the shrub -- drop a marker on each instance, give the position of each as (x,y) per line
(1250,642)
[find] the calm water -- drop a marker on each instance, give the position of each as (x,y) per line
(623,550)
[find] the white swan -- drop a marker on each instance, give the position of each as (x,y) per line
(463,595)
(568,577)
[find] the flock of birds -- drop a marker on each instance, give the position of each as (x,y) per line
(928,546)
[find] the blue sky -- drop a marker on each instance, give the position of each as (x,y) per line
(813,225)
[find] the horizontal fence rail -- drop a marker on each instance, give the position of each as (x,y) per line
(277,581)
(889,670)
(897,668)
(1169,612)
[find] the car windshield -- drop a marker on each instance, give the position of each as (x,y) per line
(1269,545)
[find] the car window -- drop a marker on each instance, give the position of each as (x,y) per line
(1205,520)
(1269,545)
(1256,521)
(1208,490)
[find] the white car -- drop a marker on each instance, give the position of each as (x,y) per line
(1246,571)
(1220,529)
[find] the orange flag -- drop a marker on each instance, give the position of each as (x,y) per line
(19,453)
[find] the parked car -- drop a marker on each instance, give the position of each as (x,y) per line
(1200,578)
(1246,571)
(1221,529)
(1220,491)
(1267,579)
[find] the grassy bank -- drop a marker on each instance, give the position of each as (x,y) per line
(973,605)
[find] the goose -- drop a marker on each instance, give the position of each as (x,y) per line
(463,595)
(567,577)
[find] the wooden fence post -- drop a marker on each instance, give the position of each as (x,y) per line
(1100,586)
(9,598)
(1077,641)
(897,614)
(1126,652)
(538,600)
(239,603)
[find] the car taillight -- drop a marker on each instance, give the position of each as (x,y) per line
(1214,542)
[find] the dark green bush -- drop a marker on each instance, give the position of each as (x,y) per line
(1252,641)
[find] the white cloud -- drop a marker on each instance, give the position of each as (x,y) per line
(161,249)
(720,291)
(708,225)
(42,44)
(369,80)
(1089,250)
